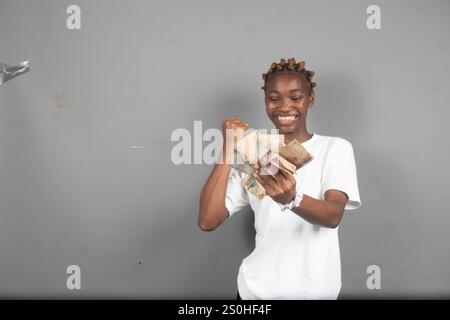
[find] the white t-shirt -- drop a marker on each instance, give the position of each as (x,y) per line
(294,259)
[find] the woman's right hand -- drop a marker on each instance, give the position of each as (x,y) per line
(238,131)
(212,199)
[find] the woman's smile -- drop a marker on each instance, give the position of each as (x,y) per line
(286,120)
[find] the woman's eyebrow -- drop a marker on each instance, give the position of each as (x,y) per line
(290,91)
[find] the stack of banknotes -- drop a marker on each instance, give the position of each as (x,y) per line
(267,153)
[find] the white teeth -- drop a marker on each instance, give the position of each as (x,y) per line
(286,118)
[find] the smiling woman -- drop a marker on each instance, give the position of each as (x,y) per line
(288,95)
(297,251)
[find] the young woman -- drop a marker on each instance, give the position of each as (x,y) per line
(297,250)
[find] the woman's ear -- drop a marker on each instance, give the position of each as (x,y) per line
(311,99)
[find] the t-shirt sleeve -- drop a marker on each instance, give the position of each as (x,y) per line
(341,173)
(236,196)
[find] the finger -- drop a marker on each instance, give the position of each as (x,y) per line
(279,181)
(260,178)
(283,182)
(269,182)
(281,178)
(239,122)
(266,182)
(270,190)
(268,171)
(264,174)
(288,179)
(285,173)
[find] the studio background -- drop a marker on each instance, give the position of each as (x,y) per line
(86,176)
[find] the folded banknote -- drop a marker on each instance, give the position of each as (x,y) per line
(269,153)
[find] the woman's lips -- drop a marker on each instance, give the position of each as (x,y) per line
(286,120)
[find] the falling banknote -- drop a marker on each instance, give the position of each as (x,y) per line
(270,153)
(8,72)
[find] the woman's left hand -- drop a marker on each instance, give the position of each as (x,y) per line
(279,186)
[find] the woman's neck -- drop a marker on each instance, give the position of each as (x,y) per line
(301,136)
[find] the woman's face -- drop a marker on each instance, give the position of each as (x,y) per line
(287,100)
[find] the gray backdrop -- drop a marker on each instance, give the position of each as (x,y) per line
(74,190)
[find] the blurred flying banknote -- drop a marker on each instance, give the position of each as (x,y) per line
(8,72)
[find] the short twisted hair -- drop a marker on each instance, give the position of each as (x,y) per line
(289,66)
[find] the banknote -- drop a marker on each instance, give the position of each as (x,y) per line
(296,154)
(267,153)
(272,162)
(253,186)
(8,72)
(256,144)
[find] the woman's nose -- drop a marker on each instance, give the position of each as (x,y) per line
(285,103)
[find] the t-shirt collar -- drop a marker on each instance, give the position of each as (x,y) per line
(310,141)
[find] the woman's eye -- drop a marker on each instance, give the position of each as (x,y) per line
(273,98)
(296,98)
